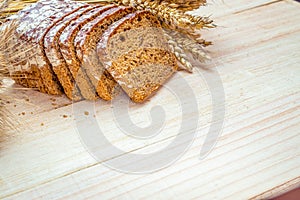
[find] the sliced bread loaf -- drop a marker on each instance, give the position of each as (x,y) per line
(34,22)
(66,43)
(85,43)
(135,53)
(55,57)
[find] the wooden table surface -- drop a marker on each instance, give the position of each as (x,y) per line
(256,52)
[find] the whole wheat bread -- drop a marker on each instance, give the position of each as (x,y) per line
(136,54)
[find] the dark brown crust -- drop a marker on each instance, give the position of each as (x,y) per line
(66,43)
(86,42)
(55,57)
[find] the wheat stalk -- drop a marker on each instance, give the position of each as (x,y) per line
(3,72)
(175,19)
(184,5)
(178,50)
(170,14)
(191,46)
(6,32)
(168,11)
(182,45)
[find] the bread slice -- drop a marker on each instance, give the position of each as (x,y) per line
(34,22)
(135,53)
(141,73)
(55,57)
(86,41)
(66,43)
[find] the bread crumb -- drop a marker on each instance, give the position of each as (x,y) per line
(86,113)
(65,116)
(23,113)
(42,124)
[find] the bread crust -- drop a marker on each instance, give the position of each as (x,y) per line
(86,42)
(66,44)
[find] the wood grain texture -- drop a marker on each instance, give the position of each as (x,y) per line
(257,54)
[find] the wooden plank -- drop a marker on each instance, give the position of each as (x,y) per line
(259,70)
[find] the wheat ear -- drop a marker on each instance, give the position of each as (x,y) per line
(5,36)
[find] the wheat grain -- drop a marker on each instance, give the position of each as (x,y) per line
(184,5)
(192,46)
(178,50)
(175,19)
(181,45)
